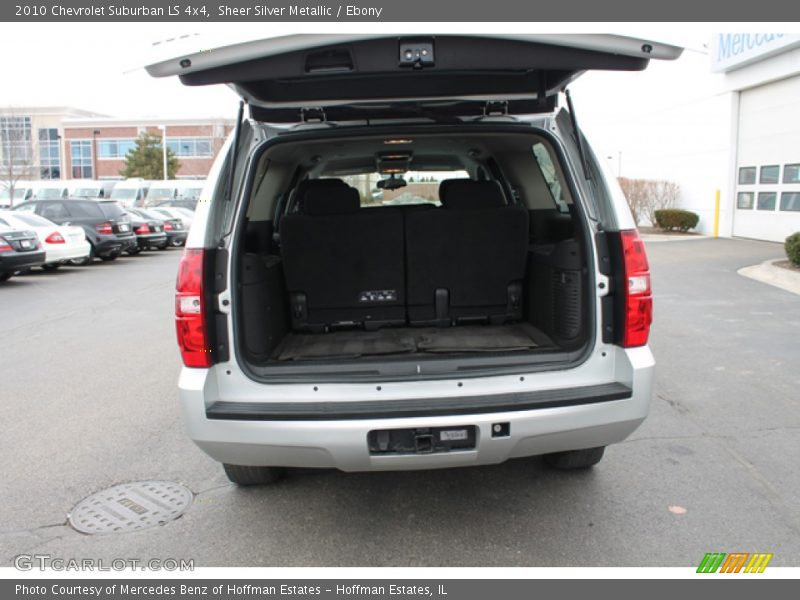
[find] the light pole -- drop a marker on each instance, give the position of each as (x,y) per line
(95,133)
(164,147)
(619,163)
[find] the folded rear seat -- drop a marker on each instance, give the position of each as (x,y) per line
(344,265)
(466,260)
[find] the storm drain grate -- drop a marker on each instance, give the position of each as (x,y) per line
(130,507)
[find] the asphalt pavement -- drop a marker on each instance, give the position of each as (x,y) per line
(88,370)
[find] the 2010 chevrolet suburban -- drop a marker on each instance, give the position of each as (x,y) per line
(407,257)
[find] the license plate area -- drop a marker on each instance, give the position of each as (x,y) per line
(421,440)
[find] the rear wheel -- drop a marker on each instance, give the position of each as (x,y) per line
(109,257)
(162,246)
(5,276)
(51,266)
(575,459)
(245,475)
(133,251)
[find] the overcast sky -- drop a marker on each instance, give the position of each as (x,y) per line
(98,67)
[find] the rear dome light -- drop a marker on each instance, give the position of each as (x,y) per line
(105,228)
(190,318)
(638,298)
(54,238)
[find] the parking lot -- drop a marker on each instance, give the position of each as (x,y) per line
(89,393)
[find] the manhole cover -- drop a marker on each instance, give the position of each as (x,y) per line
(130,507)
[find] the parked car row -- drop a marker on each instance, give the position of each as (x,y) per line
(134,192)
(50,233)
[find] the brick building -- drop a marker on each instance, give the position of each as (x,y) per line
(96,148)
(70,143)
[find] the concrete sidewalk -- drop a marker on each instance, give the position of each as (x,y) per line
(767,272)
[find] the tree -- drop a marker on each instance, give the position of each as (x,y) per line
(646,196)
(635,191)
(17,150)
(662,195)
(147,159)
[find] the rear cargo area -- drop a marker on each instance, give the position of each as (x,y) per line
(477,267)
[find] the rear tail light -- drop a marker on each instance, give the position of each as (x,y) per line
(638,298)
(5,246)
(143,229)
(167,226)
(105,228)
(54,238)
(190,318)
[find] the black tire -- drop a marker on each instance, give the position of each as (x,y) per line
(133,251)
(244,475)
(5,276)
(162,246)
(50,266)
(574,459)
(109,257)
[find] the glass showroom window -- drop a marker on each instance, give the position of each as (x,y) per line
(791,173)
(770,174)
(81,153)
(747,175)
(190,147)
(790,201)
(15,140)
(744,200)
(114,148)
(49,154)
(766,200)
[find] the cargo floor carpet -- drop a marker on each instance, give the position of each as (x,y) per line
(409,340)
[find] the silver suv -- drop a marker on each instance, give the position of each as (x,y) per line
(405,258)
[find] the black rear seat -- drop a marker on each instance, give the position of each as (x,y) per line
(344,265)
(466,260)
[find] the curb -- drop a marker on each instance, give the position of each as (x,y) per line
(777,277)
(648,238)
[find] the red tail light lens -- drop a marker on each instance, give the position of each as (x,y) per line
(5,246)
(190,311)
(54,238)
(638,298)
(143,229)
(104,228)
(167,226)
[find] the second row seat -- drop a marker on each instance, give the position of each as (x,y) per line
(349,267)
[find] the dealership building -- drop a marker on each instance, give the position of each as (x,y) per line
(761,73)
(70,143)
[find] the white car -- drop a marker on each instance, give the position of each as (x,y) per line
(511,321)
(61,243)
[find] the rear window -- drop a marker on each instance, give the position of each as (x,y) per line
(421,187)
(84,210)
(111,210)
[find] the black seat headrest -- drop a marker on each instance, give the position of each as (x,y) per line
(466,193)
(330,200)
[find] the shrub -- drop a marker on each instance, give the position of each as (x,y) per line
(675,218)
(792,247)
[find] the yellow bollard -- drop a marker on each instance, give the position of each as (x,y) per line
(716,215)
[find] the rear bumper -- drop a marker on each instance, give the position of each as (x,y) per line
(150,240)
(55,254)
(285,434)
(13,261)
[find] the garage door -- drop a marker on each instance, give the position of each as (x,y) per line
(768,174)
